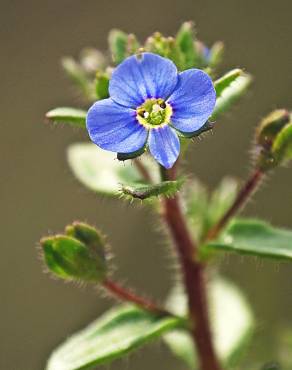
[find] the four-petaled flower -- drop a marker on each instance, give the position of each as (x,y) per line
(150,104)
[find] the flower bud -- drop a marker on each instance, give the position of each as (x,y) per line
(274,139)
(164,46)
(78,255)
(282,146)
(102,85)
(271,125)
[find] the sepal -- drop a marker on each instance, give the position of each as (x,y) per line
(206,127)
(133,155)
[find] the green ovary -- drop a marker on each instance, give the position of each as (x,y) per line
(154,113)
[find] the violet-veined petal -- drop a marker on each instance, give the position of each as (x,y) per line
(164,145)
(115,128)
(193,100)
(140,77)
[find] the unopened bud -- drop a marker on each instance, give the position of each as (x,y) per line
(164,46)
(274,139)
(78,255)
(271,125)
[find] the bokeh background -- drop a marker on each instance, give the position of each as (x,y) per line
(38,193)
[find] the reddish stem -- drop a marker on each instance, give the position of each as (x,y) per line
(243,196)
(193,274)
(143,170)
(129,296)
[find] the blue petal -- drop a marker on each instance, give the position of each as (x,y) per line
(164,145)
(115,128)
(140,77)
(193,100)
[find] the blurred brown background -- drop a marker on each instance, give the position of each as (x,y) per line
(38,193)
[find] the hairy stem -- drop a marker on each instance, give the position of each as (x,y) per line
(194,279)
(127,295)
(243,196)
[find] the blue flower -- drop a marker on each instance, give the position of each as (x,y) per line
(150,104)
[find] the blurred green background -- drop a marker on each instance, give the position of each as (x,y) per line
(38,193)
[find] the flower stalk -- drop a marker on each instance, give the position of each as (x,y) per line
(194,279)
(127,295)
(240,201)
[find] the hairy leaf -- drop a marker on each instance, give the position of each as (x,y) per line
(71,116)
(113,335)
(231,94)
(167,188)
(100,170)
(225,81)
(255,237)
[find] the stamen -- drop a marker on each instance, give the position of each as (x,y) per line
(154,113)
(156,108)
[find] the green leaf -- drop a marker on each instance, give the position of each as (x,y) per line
(231,319)
(166,188)
(255,237)
(116,333)
(225,81)
(101,172)
(71,116)
(231,94)
(118,41)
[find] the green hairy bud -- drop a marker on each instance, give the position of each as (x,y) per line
(77,255)
(274,139)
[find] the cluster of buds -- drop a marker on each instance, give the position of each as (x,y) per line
(274,140)
(92,71)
